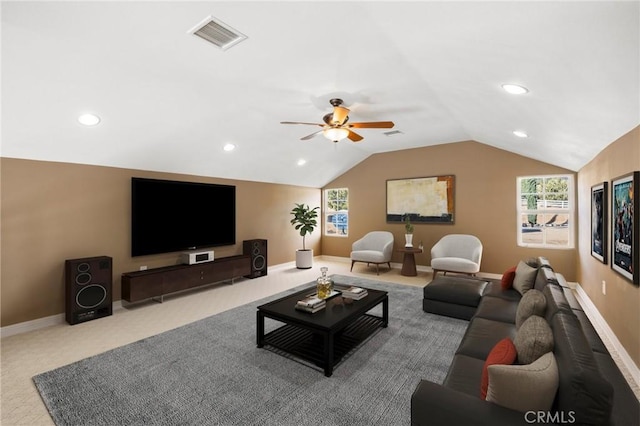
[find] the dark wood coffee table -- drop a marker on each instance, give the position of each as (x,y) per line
(324,337)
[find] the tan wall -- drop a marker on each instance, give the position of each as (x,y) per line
(56,211)
(485,201)
(620,307)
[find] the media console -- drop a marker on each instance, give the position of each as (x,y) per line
(157,282)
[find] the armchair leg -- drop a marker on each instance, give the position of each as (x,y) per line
(377,269)
(352,262)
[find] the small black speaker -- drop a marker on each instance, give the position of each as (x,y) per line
(257,249)
(88,283)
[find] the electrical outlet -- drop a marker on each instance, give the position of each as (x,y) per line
(143,268)
(604,287)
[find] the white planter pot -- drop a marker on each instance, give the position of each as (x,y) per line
(304,259)
(408,238)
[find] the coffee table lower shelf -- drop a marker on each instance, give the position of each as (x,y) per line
(310,346)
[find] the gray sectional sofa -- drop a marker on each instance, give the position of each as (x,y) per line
(591,390)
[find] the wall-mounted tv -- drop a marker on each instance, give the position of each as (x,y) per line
(168,216)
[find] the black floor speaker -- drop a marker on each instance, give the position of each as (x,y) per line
(88,283)
(257,249)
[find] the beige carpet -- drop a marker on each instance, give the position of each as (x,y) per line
(28,354)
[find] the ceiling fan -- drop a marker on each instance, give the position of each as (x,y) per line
(336,128)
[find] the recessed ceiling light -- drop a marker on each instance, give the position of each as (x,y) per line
(520,134)
(229,147)
(88,119)
(515,89)
(302,162)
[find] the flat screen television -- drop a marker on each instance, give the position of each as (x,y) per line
(168,216)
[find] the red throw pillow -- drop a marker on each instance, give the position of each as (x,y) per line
(504,352)
(507,278)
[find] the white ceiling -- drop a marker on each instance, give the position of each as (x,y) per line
(169,101)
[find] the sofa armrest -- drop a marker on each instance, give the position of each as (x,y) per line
(433,404)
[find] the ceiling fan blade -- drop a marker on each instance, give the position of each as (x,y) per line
(339,115)
(372,125)
(312,135)
(354,136)
(301,122)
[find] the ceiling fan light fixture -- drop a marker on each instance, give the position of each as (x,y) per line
(335,134)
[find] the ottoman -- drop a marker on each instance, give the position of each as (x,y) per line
(456,297)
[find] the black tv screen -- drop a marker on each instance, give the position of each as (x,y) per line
(168,216)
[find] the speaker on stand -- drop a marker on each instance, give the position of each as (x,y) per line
(257,250)
(88,283)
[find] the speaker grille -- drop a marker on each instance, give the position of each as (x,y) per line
(88,284)
(91,296)
(257,249)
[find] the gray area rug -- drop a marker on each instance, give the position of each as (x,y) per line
(211,373)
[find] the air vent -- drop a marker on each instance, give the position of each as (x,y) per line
(393,132)
(218,33)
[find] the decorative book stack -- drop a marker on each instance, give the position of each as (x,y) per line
(311,304)
(355,293)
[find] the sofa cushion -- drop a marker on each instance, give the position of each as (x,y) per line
(525,277)
(556,302)
(482,335)
(583,389)
(530,387)
(464,375)
(497,309)
(532,303)
(544,276)
(504,352)
(507,278)
(494,289)
(458,290)
(533,339)
(626,407)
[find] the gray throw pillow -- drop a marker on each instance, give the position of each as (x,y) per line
(525,277)
(533,339)
(532,303)
(530,387)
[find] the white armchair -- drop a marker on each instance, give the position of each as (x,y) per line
(456,253)
(376,247)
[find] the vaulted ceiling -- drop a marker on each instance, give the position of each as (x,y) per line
(169,101)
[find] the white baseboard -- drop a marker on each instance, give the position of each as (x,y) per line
(594,316)
(40,323)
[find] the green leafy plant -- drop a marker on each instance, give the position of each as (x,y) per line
(304,220)
(408,227)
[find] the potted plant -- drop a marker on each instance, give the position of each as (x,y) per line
(408,231)
(305,221)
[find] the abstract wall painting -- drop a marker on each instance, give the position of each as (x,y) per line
(423,200)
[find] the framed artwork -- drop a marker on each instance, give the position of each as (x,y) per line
(424,200)
(625,236)
(599,213)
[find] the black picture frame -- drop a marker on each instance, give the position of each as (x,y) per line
(423,199)
(625,236)
(599,219)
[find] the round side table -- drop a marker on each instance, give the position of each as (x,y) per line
(409,261)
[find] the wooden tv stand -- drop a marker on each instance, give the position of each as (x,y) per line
(157,282)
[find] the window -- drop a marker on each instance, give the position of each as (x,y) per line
(336,212)
(546,211)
